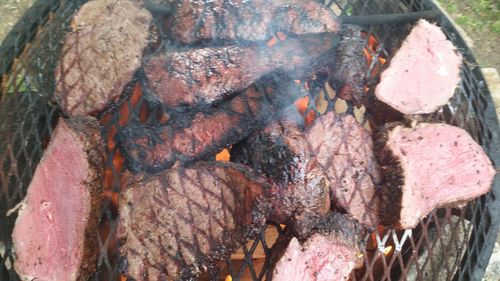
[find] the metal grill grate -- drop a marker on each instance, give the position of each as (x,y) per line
(450,244)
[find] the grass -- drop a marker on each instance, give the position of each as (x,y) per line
(475,15)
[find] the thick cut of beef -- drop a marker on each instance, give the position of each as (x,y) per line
(280,152)
(55,235)
(188,138)
(429,166)
(207,75)
(349,69)
(423,74)
(335,151)
(100,54)
(178,223)
(329,253)
(249,20)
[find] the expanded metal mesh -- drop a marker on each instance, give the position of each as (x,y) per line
(449,244)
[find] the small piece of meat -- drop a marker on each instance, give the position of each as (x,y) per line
(280,152)
(426,167)
(183,221)
(208,75)
(349,68)
(101,54)
(335,151)
(330,252)
(423,74)
(210,21)
(186,139)
(55,235)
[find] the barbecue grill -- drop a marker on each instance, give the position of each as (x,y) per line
(449,244)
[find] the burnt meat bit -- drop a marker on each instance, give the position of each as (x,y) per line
(329,252)
(428,166)
(197,21)
(100,55)
(423,74)
(349,68)
(180,222)
(207,75)
(334,147)
(155,148)
(55,235)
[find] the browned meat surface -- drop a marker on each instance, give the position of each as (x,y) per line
(185,139)
(178,223)
(336,152)
(426,167)
(100,54)
(329,253)
(349,68)
(55,235)
(248,20)
(280,152)
(207,75)
(423,74)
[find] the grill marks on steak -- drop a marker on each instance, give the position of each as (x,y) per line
(348,71)
(329,253)
(423,74)
(100,54)
(178,223)
(197,21)
(426,167)
(55,235)
(207,75)
(335,151)
(152,149)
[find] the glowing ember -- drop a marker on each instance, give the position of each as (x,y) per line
(223,156)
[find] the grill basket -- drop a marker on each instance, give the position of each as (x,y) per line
(449,244)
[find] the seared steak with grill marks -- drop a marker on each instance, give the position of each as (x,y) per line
(55,235)
(178,223)
(349,69)
(207,75)
(423,74)
(426,167)
(335,151)
(248,20)
(100,55)
(329,253)
(191,137)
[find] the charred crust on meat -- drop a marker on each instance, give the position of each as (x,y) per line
(391,191)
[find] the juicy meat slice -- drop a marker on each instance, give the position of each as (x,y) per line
(330,253)
(423,74)
(207,75)
(180,222)
(249,20)
(335,151)
(280,152)
(429,166)
(349,68)
(55,235)
(100,55)
(152,149)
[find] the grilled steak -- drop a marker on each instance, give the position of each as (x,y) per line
(55,235)
(253,20)
(335,151)
(280,152)
(178,223)
(349,69)
(429,166)
(329,253)
(207,75)
(100,54)
(423,74)
(185,139)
